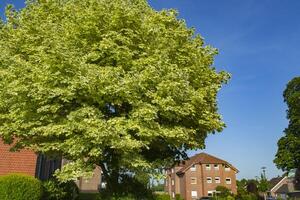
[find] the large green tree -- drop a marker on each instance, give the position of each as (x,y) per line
(288,154)
(109,83)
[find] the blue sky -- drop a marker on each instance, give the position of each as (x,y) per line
(259,43)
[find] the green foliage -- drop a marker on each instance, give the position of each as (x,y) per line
(249,189)
(252,186)
(158,188)
(20,187)
(109,83)
(224,191)
(162,196)
(288,154)
(263,184)
(249,197)
(241,187)
(123,198)
(178,197)
(54,190)
(88,196)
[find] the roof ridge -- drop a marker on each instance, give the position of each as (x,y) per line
(200,158)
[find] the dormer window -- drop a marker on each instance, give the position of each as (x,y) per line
(207,167)
(227,168)
(193,168)
(216,166)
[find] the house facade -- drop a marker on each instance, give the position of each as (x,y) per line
(41,167)
(20,162)
(293,184)
(278,187)
(199,176)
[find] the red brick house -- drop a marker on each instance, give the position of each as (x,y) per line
(21,162)
(39,166)
(26,162)
(199,176)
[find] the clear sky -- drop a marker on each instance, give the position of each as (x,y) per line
(259,44)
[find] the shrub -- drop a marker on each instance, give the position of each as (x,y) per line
(223,191)
(162,196)
(89,196)
(178,197)
(20,187)
(54,190)
(117,198)
(249,197)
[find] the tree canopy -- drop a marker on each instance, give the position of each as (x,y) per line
(288,154)
(111,83)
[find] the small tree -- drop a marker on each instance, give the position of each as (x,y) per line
(263,185)
(109,83)
(223,191)
(252,187)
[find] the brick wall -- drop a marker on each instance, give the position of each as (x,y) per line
(16,162)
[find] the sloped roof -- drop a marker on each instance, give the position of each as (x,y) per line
(283,189)
(274,181)
(203,158)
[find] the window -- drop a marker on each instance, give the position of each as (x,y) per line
(173,194)
(209,180)
(193,168)
(172,170)
(207,166)
(227,168)
(193,180)
(228,180)
(210,193)
(194,194)
(217,180)
(216,166)
(173,182)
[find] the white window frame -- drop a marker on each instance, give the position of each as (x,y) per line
(172,182)
(193,168)
(210,193)
(228,182)
(173,194)
(216,166)
(207,167)
(193,179)
(194,194)
(208,179)
(217,179)
(227,168)
(172,170)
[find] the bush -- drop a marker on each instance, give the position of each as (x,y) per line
(54,190)
(249,197)
(117,198)
(89,196)
(162,196)
(20,187)
(178,197)
(223,191)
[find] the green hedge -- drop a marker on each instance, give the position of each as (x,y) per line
(20,187)
(162,196)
